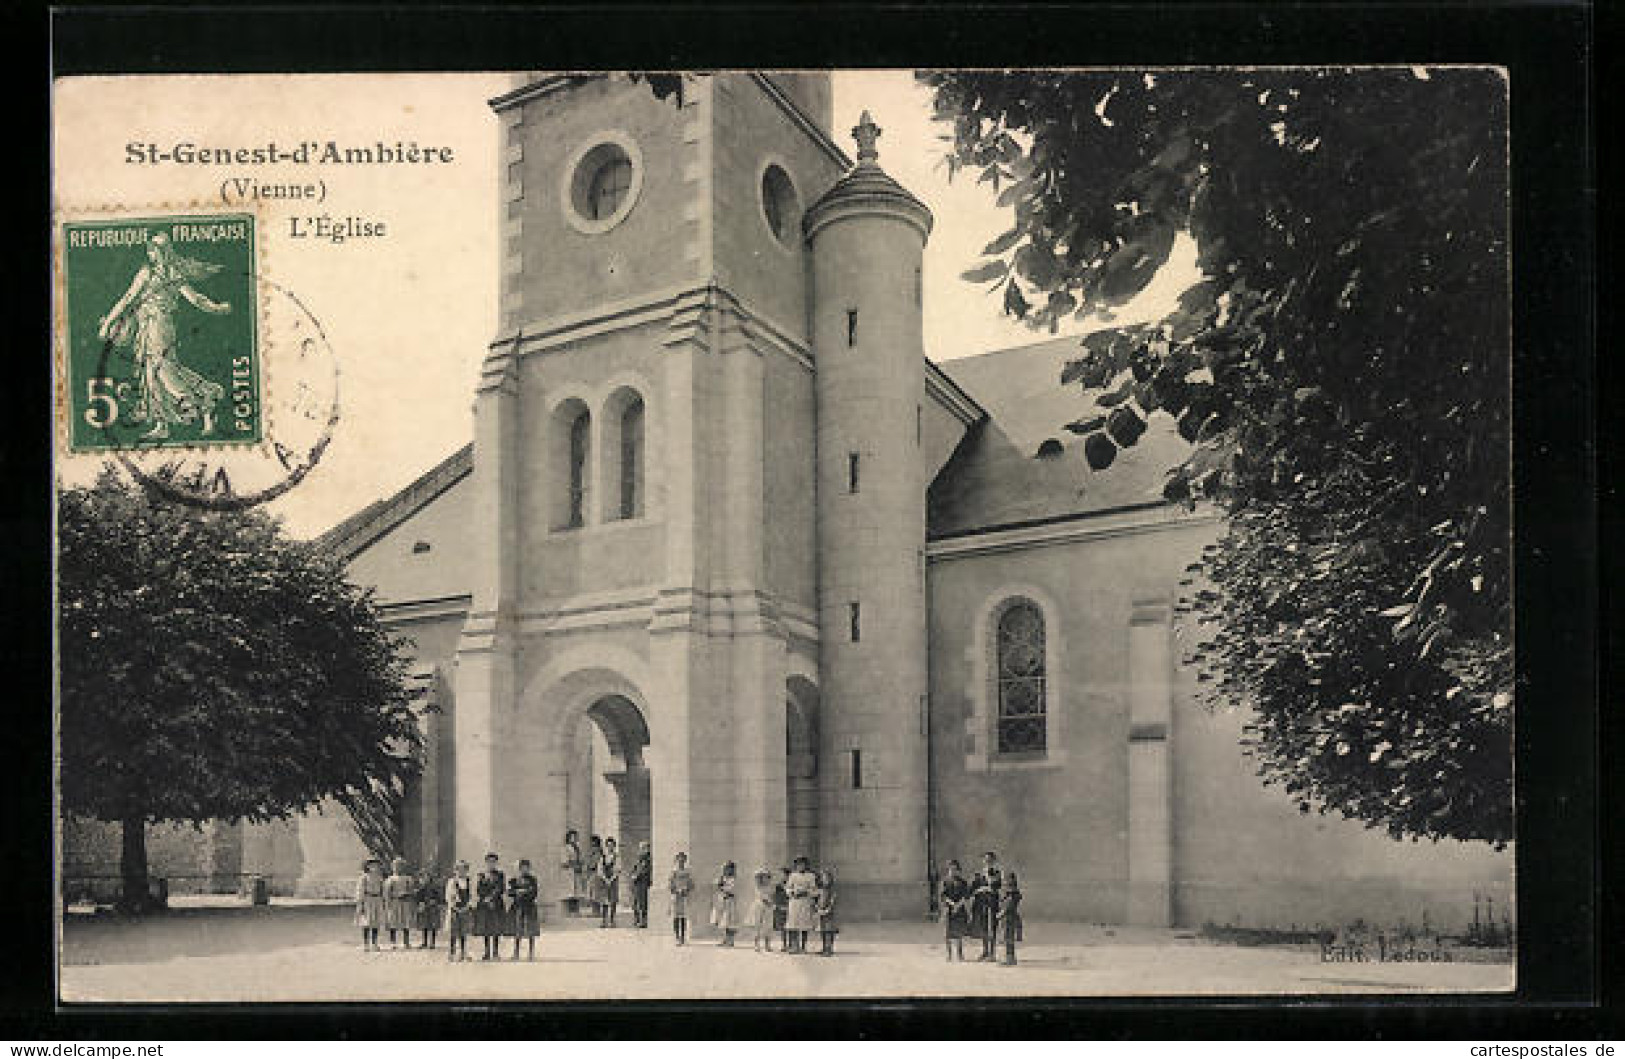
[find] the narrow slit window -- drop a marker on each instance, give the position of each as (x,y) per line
(631,505)
(919,424)
(854,616)
(919,286)
(857,769)
(851,327)
(851,472)
(578,470)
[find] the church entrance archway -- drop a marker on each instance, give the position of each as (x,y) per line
(801,768)
(607,790)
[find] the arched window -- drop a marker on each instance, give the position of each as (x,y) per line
(632,459)
(580,438)
(1021,722)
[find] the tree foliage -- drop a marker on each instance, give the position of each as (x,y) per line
(212,668)
(1341,371)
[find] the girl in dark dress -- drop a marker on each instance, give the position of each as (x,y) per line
(523,891)
(490,911)
(609,870)
(431,907)
(955,905)
(1010,917)
(781,909)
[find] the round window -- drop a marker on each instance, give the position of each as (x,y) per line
(779,204)
(603,185)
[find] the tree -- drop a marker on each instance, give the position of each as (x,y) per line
(212,668)
(1342,373)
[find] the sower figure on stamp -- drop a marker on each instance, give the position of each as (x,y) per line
(985,893)
(171,392)
(643,876)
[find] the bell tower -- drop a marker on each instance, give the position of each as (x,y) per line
(644,468)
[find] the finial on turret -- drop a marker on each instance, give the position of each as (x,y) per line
(866,132)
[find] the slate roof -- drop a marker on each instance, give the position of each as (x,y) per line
(350,536)
(993,479)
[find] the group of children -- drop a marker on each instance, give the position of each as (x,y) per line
(799,902)
(594,878)
(987,906)
(491,905)
(793,905)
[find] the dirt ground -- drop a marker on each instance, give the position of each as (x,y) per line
(310,952)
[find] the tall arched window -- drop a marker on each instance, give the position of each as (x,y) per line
(580,438)
(1021,723)
(632,459)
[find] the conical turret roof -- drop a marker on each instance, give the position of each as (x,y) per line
(867,188)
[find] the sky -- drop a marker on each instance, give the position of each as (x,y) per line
(409,317)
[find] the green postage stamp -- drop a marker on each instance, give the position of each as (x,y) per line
(161,322)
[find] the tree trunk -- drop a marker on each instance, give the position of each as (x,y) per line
(135,896)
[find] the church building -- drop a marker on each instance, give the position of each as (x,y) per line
(732,567)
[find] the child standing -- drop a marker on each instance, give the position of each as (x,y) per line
(760,914)
(680,886)
(595,879)
(725,905)
(801,913)
(955,906)
(575,876)
(781,910)
(401,904)
(523,890)
(609,869)
(490,911)
(459,912)
(431,907)
(371,910)
(827,927)
(1010,917)
(643,877)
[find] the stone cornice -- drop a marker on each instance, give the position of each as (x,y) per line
(941,387)
(535,90)
(1086,526)
(350,537)
(802,121)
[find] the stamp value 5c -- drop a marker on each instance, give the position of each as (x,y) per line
(162,319)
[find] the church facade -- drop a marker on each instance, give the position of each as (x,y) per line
(730,566)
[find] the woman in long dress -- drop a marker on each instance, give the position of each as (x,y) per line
(144,319)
